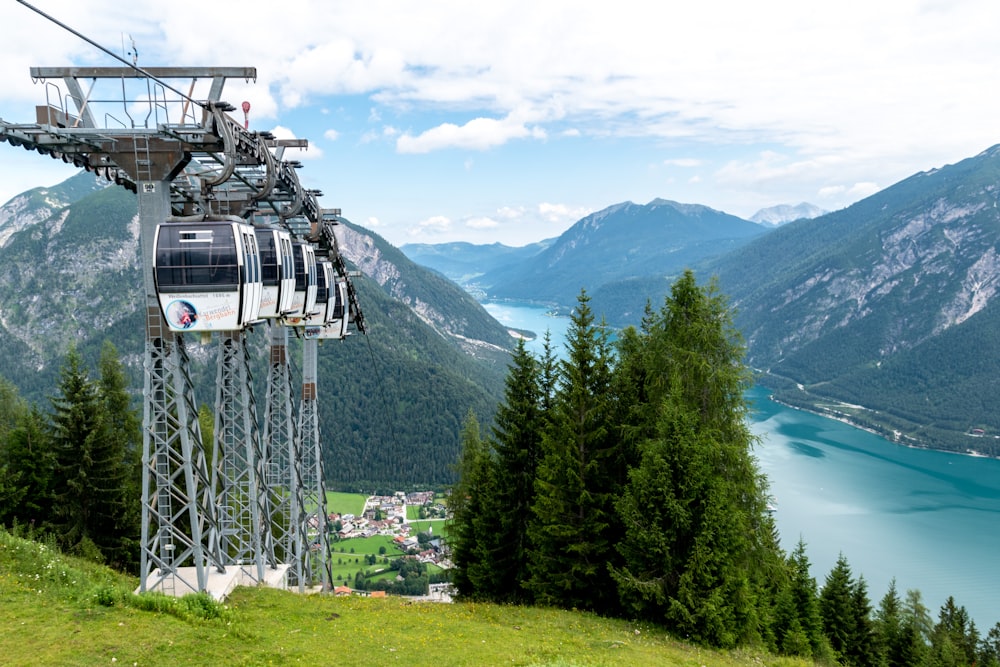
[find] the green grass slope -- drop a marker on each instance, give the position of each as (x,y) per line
(58,610)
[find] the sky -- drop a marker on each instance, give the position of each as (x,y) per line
(508,121)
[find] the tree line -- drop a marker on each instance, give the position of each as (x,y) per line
(619,479)
(72,472)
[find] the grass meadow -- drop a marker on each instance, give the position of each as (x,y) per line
(59,610)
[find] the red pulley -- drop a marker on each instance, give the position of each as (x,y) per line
(246,115)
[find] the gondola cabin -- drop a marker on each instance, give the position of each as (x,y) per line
(277,271)
(335,326)
(304,298)
(207,274)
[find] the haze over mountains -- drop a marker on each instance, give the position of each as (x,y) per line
(883,312)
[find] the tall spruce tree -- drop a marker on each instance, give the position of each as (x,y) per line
(90,476)
(864,650)
(517,436)
(573,510)
(474,516)
(955,638)
(799,628)
(12,408)
(847,620)
(898,638)
(123,432)
(29,460)
(699,545)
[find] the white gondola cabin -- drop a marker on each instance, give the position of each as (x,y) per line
(335,325)
(277,271)
(304,298)
(207,274)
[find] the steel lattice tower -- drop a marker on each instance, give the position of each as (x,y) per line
(313,489)
(179,527)
(280,454)
(240,496)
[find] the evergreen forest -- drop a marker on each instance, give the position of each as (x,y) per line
(70,471)
(620,480)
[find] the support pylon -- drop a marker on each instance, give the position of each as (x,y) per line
(280,453)
(179,526)
(313,488)
(240,495)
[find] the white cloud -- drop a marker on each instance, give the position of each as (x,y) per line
(437,224)
(511,212)
(312,152)
(686,162)
(331,135)
(477,134)
(561,213)
(481,223)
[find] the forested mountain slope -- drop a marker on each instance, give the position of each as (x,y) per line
(620,242)
(890,304)
(391,404)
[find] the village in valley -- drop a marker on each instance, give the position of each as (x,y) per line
(393,546)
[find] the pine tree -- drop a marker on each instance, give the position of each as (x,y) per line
(699,547)
(954,639)
(989,648)
(12,408)
(90,477)
(917,614)
(864,651)
(837,607)
(573,510)
(29,460)
(474,530)
(123,431)
(888,627)
(797,627)
(517,435)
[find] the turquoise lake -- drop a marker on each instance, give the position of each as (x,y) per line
(931,520)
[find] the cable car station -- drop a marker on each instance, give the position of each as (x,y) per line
(229,240)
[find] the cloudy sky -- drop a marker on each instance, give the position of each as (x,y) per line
(508,121)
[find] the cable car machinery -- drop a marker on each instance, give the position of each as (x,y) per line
(187,160)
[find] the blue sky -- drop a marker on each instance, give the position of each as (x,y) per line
(508,121)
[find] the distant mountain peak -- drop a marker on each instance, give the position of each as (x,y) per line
(775,216)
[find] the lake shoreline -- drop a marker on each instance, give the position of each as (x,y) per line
(844,419)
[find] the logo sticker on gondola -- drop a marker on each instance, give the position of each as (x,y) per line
(181,314)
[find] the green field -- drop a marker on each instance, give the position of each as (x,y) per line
(439,527)
(345,503)
(348,556)
(63,611)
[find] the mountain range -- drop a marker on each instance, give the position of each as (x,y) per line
(392,402)
(884,313)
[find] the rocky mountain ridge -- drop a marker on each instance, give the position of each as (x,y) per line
(392,402)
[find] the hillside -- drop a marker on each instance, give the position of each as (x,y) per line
(621,242)
(890,304)
(391,403)
(64,611)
